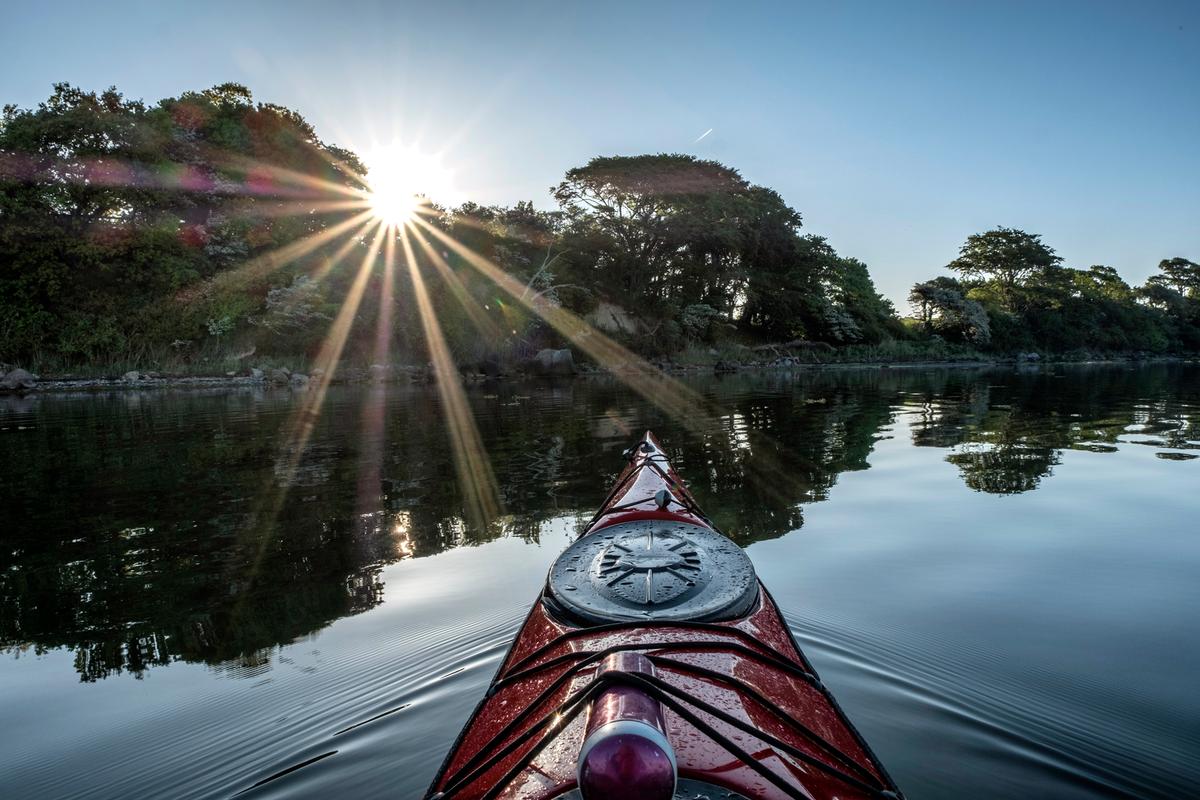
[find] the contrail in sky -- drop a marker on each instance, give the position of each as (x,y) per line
(706,133)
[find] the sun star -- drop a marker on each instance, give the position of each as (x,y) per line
(401,178)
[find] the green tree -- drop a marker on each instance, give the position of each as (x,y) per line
(851,295)
(1005,257)
(942,308)
(1175,292)
(662,229)
(1182,275)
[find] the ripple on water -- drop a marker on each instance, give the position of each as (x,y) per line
(1067,740)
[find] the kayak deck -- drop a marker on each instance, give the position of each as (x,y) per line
(742,706)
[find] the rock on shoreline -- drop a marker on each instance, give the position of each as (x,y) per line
(17,380)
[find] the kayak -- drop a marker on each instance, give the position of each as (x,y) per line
(655,665)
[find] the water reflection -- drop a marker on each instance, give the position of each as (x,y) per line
(1009,435)
(131,538)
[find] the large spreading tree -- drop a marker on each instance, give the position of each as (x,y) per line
(1004,257)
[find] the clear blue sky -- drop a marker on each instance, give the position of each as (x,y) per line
(896,129)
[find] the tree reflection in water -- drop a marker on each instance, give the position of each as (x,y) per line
(132,543)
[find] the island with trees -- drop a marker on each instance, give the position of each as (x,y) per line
(209,233)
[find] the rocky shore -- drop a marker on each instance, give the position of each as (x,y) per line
(282,378)
(546,363)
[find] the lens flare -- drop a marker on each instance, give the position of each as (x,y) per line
(401,178)
(393,205)
(475,477)
(662,390)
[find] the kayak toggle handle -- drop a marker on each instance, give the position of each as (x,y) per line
(625,753)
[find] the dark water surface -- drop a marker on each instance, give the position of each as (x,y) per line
(996,572)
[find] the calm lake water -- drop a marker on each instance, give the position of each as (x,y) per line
(997,572)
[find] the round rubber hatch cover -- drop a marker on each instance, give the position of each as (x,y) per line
(654,570)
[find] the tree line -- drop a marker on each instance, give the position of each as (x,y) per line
(209,226)
(1011,292)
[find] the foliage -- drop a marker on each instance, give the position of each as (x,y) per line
(697,321)
(1181,275)
(133,233)
(1016,296)
(110,206)
(665,229)
(1005,257)
(943,308)
(297,313)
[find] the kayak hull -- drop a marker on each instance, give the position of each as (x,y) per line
(743,707)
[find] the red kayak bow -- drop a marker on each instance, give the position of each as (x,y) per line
(655,665)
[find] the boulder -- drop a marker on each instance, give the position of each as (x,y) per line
(553,362)
(17,379)
(279,376)
(725,366)
(297,380)
(256,374)
(611,318)
(133,376)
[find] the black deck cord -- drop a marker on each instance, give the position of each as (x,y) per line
(458,780)
(611,494)
(719,677)
(764,652)
(746,758)
(664,693)
(586,658)
(668,689)
(589,657)
(566,718)
(528,711)
(815,738)
(619,648)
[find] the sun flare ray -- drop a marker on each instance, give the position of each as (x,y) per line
(330,355)
(331,261)
(687,407)
(669,394)
(472,466)
(263,265)
(487,327)
(301,208)
(303,420)
(277,176)
(374,417)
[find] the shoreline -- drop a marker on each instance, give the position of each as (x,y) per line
(421,375)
